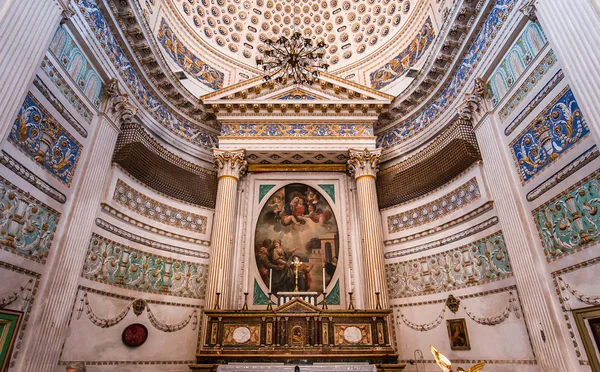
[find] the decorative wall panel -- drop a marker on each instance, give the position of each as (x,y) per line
(155,210)
(482,41)
(553,132)
(297,130)
(519,57)
(66,51)
(66,90)
(483,261)
(529,85)
(407,58)
(27,225)
(115,264)
(570,221)
(185,59)
(456,199)
(38,135)
(163,115)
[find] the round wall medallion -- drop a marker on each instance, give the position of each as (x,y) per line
(241,335)
(134,335)
(353,335)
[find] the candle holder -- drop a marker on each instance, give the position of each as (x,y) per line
(325,301)
(351,305)
(217,307)
(269,306)
(378,305)
(245,307)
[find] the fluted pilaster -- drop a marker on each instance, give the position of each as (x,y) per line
(529,268)
(59,288)
(573,29)
(231,165)
(26,28)
(364,165)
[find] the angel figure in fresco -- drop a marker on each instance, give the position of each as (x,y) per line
(278,206)
(446,366)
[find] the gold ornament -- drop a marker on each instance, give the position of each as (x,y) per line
(446,365)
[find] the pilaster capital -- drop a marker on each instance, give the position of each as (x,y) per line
(472,104)
(230,163)
(118,106)
(364,163)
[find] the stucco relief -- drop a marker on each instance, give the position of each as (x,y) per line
(476,263)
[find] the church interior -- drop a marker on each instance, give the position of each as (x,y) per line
(299,185)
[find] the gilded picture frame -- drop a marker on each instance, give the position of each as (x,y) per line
(458,334)
(10,323)
(588,325)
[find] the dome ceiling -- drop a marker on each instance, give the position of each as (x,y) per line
(351,28)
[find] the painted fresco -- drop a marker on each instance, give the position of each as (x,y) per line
(296,230)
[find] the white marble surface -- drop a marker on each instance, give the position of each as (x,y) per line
(317,367)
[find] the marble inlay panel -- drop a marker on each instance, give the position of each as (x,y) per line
(157,211)
(456,199)
(27,225)
(39,136)
(570,221)
(119,265)
(557,129)
(480,262)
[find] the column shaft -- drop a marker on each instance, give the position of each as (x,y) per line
(573,29)
(371,232)
(58,293)
(529,268)
(26,28)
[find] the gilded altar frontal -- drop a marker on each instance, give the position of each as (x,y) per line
(299,185)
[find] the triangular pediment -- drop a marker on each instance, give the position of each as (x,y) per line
(328,87)
(297,306)
(330,94)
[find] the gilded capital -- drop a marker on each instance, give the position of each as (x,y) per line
(364,162)
(118,105)
(230,163)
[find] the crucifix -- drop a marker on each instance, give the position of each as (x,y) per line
(296,264)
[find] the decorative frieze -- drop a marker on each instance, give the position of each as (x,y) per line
(517,59)
(59,106)
(157,211)
(38,135)
(190,63)
(557,129)
(455,200)
(407,58)
(297,130)
(19,169)
(27,225)
(477,263)
(65,89)
(119,265)
(570,221)
(581,161)
(542,94)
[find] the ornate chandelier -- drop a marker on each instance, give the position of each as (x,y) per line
(296,58)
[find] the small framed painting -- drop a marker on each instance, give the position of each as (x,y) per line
(10,321)
(458,334)
(588,324)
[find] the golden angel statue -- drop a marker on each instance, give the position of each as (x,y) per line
(446,365)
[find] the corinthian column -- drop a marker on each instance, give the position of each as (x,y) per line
(364,165)
(26,28)
(59,288)
(230,165)
(573,30)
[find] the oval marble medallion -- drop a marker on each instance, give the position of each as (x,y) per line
(353,335)
(241,335)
